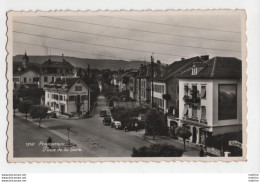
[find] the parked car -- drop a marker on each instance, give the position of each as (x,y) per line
(103,113)
(107,121)
(51,114)
(86,115)
(116,124)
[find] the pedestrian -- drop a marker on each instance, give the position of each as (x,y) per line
(126,129)
(205,151)
(49,141)
(201,151)
(136,127)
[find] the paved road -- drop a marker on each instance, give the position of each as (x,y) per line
(95,139)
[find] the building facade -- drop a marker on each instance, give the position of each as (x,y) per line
(68,95)
(211,98)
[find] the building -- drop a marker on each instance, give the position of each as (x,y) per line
(68,95)
(211,97)
(26,77)
(25,73)
(52,70)
(132,84)
(166,90)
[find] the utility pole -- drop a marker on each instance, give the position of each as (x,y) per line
(152,74)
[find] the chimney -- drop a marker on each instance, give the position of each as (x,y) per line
(62,55)
(158,62)
(204,57)
(49,61)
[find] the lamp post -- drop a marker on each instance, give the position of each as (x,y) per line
(68,129)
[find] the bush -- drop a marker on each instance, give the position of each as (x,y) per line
(221,142)
(157,150)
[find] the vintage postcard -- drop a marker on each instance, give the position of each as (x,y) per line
(126,86)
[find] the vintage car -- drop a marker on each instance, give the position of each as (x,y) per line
(116,124)
(107,121)
(103,113)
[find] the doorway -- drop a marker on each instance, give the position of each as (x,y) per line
(194,135)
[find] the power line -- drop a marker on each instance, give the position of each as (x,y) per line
(184,26)
(102,45)
(146,31)
(153,42)
(71,50)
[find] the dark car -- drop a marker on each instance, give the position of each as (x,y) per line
(51,114)
(86,115)
(103,113)
(107,121)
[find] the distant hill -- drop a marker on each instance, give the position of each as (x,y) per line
(83,62)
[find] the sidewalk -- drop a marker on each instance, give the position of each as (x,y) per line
(192,150)
(28,140)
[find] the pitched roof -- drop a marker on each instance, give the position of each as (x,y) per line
(18,73)
(64,84)
(50,63)
(217,67)
(177,66)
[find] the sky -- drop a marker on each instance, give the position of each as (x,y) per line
(137,36)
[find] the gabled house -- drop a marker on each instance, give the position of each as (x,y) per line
(27,77)
(68,95)
(52,70)
(210,97)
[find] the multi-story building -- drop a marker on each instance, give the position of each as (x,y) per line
(26,77)
(51,70)
(68,95)
(211,97)
(166,90)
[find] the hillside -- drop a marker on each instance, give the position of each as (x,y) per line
(83,62)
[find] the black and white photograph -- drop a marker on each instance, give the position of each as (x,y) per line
(126,86)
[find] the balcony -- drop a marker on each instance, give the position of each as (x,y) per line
(195,121)
(78,102)
(190,100)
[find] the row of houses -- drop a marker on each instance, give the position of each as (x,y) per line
(66,90)
(204,93)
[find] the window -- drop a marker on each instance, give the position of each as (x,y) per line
(186,89)
(71,98)
(45,79)
(227,101)
(186,110)
(78,88)
(52,79)
(194,70)
(24,80)
(35,79)
(194,111)
(16,79)
(203,92)
(203,112)
(84,97)
(61,98)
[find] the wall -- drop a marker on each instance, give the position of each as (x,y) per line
(208,102)
(171,86)
(29,75)
(160,95)
(228,125)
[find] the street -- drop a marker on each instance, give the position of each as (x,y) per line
(90,135)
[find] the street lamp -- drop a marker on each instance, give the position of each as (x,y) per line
(68,129)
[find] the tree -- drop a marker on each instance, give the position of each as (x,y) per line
(154,122)
(24,107)
(38,112)
(221,142)
(15,104)
(183,132)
